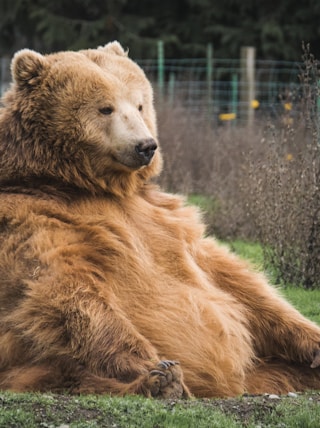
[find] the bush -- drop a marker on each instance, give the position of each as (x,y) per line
(284,205)
(284,201)
(264,182)
(202,160)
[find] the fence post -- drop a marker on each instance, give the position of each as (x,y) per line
(209,77)
(247,84)
(171,84)
(160,68)
(234,95)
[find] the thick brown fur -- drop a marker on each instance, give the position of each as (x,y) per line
(106,282)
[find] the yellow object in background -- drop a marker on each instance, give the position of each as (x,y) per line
(227,116)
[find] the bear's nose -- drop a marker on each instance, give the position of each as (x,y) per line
(145,150)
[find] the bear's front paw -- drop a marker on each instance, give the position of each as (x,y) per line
(166,381)
(316,359)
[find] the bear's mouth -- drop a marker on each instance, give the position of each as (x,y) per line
(140,156)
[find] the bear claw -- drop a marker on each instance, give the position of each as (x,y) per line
(166,381)
(165,364)
(156,373)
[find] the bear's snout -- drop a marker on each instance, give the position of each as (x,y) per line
(145,150)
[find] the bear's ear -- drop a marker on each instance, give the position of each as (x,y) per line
(113,47)
(27,67)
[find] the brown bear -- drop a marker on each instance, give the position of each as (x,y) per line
(108,284)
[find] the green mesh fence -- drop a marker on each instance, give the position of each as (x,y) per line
(277,87)
(214,87)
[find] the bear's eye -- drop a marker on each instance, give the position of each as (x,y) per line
(106,110)
(140,107)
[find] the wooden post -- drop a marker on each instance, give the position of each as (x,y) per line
(160,68)
(209,77)
(234,95)
(171,84)
(247,85)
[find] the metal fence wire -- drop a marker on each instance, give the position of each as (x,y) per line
(215,87)
(277,87)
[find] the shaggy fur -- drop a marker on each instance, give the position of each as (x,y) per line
(103,277)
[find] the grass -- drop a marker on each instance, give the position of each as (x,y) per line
(248,250)
(35,410)
(307,302)
(207,204)
(47,410)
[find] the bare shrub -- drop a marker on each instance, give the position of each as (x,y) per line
(284,205)
(285,199)
(207,160)
(264,182)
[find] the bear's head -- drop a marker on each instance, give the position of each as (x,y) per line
(84,119)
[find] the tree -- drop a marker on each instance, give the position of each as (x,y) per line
(276,29)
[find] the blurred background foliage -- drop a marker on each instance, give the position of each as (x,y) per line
(275,28)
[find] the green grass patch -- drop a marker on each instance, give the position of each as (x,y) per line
(36,410)
(205,203)
(301,413)
(53,411)
(248,250)
(306,301)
